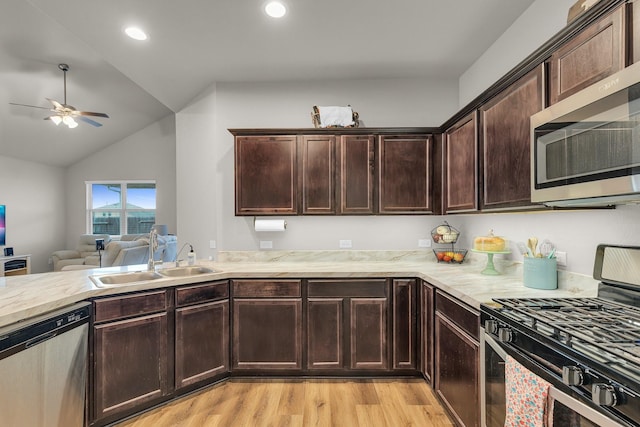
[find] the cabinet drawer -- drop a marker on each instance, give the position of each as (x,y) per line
(119,307)
(348,288)
(202,292)
(464,317)
(266,288)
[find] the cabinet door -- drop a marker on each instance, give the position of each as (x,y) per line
(595,53)
(267,334)
(404,174)
(505,141)
(325,333)
(457,359)
(130,364)
(266,181)
(356,155)
(202,342)
(368,333)
(426,329)
(404,324)
(318,174)
(635,31)
(461,162)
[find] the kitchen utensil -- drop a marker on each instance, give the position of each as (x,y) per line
(546,247)
(532,242)
(552,254)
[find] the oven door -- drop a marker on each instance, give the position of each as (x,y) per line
(567,410)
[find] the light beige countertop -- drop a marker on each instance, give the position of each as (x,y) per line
(22,297)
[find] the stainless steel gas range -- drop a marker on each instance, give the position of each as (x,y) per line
(588,349)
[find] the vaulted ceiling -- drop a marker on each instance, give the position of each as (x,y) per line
(194,43)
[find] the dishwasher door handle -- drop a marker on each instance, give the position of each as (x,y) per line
(39,339)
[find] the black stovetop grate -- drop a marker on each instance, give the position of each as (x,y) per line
(603,329)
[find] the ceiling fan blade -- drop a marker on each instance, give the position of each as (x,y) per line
(27,105)
(91,122)
(89,113)
(55,103)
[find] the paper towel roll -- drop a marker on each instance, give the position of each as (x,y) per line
(262,224)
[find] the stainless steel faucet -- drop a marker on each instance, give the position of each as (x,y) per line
(153,247)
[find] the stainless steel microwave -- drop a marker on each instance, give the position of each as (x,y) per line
(585,149)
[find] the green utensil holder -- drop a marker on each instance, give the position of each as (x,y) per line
(540,273)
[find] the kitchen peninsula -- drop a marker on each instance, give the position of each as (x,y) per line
(409,290)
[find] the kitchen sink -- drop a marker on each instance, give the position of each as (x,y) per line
(191,270)
(124,278)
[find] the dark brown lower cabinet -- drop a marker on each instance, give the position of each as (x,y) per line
(457,359)
(368,333)
(202,333)
(347,325)
(202,342)
(404,324)
(267,325)
(426,329)
(325,336)
(131,361)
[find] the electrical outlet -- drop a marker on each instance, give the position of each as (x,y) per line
(212,244)
(345,244)
(266,244)
(424,243)
(561,258)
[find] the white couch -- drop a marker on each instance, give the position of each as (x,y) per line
(86,248)
(130,249)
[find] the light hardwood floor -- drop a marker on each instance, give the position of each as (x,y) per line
(304,402)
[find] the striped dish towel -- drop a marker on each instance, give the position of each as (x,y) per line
(527,397)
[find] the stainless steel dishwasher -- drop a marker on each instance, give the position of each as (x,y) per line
(43,369)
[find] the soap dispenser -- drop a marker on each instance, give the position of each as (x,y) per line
(191,257)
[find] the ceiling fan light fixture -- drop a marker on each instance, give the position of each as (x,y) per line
(136,33)
(68,120)
(56,120)
(275,9)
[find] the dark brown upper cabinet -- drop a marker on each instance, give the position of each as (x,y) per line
(461,165)
(635,33)
(505,142)
(333,171)
(266,175)
(356,162)
(405,168)
(318,174)
(595,53)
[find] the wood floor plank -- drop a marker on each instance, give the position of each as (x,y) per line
(292,398)
(302,403)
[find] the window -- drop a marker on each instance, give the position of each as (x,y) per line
(121,207)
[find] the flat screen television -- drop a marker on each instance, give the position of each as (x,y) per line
(2,225)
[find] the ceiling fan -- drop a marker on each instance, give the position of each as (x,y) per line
(65,113)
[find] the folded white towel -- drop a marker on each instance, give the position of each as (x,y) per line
(336,116)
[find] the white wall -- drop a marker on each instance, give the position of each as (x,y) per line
(146,155)
(541,21)
(198,170)
(206,159)
(34,195)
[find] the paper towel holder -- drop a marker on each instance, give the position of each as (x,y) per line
(269,224)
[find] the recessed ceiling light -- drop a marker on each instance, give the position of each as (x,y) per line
(275,9)
(135,33)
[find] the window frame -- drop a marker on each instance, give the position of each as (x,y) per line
(122,211)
